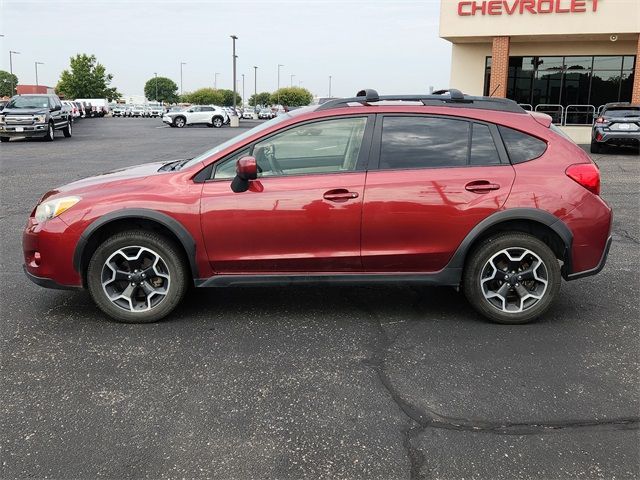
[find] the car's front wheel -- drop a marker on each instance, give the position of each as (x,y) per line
(50,133)
(512,278)
(179,122)
(67,130)
(137,276)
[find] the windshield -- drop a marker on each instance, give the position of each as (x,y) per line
(247,134)
(622,112)
(29,102)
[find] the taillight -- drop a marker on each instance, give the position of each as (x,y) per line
(600,120)
(587,175)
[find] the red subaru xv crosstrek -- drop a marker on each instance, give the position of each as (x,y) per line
(442,189)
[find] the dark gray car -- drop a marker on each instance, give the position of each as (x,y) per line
(618,124)
(34,116)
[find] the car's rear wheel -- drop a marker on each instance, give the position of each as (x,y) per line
(217,122)
(50,133)
(179,122)
(137,276)
(595,147)
(512,278)
(67,130)
(4,139)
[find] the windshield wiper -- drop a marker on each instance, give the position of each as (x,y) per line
(173,166)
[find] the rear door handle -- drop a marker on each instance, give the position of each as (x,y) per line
(339,195)
(481,186)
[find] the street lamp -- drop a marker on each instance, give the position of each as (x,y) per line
(255,87)
(11,52)
(243,88)
(278,90)
(156,75)
(181,64)
(329,86)
(234,122)
(215,80)
(37,63)
(292,75)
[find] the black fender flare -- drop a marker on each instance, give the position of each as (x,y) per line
(181,233)
(532,214)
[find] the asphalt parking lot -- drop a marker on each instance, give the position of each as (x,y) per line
(308,382)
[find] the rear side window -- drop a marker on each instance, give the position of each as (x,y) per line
(423,142)
(520,146)
(483,148)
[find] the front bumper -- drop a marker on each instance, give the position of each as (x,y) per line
(167,120)
(37,130)
(47,282)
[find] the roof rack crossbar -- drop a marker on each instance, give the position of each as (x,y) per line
(450,97)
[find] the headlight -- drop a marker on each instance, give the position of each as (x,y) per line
(52,208)
(40,118)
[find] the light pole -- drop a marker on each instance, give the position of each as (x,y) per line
(255,87)
(329,86)
(243,88)
(37,63)
(181,64)
(215,80)
(292,75)
(278,90)
(11,52)
(234,118)
(156,75)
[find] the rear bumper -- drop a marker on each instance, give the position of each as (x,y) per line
(597,268)
(618,137)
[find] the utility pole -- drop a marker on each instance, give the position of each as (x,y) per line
(243,89)
(291,81)
(279,65)
(234,117)
(37,63)
(156,75)
(255,87)
(13,87)
(215,80)
(329,86)
(181,64)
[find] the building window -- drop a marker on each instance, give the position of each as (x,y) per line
(568,80)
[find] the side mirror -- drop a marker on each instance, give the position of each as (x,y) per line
(246,170)
(56,108)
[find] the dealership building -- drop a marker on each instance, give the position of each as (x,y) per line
(566,58)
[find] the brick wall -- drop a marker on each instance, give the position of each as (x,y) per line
(499,67)
(635,98)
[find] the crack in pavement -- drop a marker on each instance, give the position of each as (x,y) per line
(625,234)
(424,419)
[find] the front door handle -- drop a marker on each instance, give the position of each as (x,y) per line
(339,195)
(481,186)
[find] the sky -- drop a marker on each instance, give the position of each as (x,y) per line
(389,45)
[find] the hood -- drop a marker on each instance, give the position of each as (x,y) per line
(25,111)
(123,174)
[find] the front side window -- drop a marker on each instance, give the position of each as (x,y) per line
(322,147)
(423,142)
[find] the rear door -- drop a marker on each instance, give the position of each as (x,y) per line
(436,178)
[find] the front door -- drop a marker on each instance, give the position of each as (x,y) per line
(303,212)
(436,179)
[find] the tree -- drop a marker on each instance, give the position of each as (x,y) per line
(263,98)
(87,79)
(7,81)
(167,90)
(227,98)
(292,97)
(204,96)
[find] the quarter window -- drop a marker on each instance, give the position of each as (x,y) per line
(520,146)
(423,142)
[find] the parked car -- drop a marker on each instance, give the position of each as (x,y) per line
(99,106)
(156,110)
(118,110)
(618,124)
(80,108)
(34,116)
(209,115)
(469,192)
(265,113)
(247,113)
(68,107)
(137,111)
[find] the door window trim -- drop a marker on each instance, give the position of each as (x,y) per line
(376,148)
(207,174)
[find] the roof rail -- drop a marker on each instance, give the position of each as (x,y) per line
(449,98)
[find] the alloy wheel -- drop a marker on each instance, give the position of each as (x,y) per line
(135,278)
(514,279)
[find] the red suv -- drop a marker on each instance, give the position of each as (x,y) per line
(445,189)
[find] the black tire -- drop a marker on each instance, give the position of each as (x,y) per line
(51,134)
(477,267)
(4,139)
(217,122)
(179,122)
(595,147)
(173,261)
(67,130)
